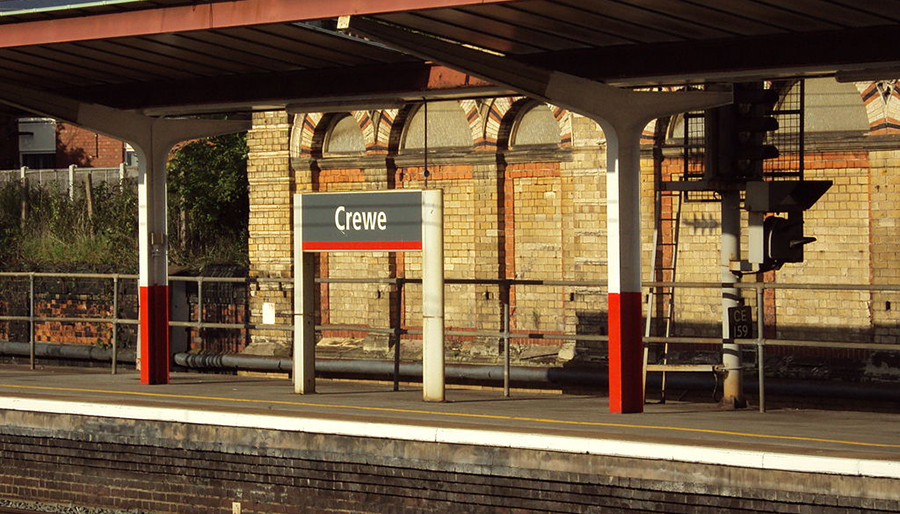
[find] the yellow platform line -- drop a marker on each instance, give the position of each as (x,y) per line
(598,424)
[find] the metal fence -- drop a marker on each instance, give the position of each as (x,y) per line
(68,179)
(505,334)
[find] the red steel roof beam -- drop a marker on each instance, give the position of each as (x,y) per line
(218,15)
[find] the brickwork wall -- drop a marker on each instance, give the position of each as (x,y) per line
(502,221)
(82,147)
(539,214)
(222,303)
(146,466)
(270,244)
(840,222)
(75,298)
(884,205)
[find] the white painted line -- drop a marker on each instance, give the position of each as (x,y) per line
(567,444)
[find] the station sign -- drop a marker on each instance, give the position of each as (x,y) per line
(404,220)
(381,221)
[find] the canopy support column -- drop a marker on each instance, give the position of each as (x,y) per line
(152,139)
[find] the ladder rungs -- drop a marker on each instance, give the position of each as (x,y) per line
(682,367)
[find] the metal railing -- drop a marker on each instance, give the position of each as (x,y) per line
(32,319)
(505,334)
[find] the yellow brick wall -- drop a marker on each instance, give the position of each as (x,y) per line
(840,222)
(542,216)
(884,189)
(270,224)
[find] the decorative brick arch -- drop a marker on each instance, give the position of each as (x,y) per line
(494,122)
(506,111)
(398,124)
(564,119)
(364,120)
(382,133)
(649,134)
(302,133)
(882,101)
(476,123)
(308,131)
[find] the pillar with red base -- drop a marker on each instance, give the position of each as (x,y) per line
(623,224)
(153,273)
(152,146)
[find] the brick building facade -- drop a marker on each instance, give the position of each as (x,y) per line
(61,145)
(524,193)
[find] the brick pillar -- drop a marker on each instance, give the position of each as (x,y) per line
(488,254)
(270,231)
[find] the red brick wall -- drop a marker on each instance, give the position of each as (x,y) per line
(82,147)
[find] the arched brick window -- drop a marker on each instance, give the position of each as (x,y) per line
(535,126)
(339,134)
(447,127)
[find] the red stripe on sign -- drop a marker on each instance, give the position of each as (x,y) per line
(626,353)
(320,246)
(154,317)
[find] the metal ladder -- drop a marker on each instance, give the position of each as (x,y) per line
(664,262)
(666,234)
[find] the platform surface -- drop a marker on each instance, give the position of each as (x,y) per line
(834,442)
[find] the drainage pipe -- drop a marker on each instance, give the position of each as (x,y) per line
(81,352)
(409,372)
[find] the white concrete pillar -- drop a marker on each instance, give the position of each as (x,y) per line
(304,374)
(433,295)
(153,280)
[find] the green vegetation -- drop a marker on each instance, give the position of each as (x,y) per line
(208,209)
(209,202)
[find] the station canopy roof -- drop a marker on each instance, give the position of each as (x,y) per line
(177,56)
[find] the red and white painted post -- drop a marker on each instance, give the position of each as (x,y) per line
(152,140)
(153,281)
(623,114)
(623,225)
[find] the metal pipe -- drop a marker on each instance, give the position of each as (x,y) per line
(63,351)
(545,376)
(506,349)
(384,370)
(31,319)
(760,348)
(412,372)
(732,389)
(115,324)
